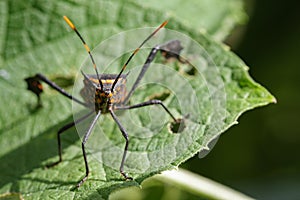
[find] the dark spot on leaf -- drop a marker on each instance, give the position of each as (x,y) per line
(177,126)
(63,81)
(171,50)
(161,96)
(191,70)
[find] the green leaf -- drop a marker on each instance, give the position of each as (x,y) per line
(34,38)
(216,17)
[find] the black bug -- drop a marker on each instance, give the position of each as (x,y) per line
(105,93)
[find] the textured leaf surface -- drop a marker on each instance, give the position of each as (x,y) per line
(35,39)
(216,17)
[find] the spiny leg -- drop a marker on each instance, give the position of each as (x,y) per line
(125,135)
(168,50)
(62,130)
(85,138)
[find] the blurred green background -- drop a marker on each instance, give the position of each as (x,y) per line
(259,156)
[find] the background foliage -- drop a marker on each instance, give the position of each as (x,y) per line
(267,165)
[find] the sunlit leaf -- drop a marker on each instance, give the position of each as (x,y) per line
(34,38)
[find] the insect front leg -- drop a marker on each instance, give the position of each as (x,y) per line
(34,85)
(125,135)
(84,140)
(169,50)
(62,130)
(179,122)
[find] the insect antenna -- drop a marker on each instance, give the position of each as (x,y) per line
(72,26)
(135,52)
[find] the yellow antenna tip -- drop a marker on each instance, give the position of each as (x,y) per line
(164,24)
(69,22)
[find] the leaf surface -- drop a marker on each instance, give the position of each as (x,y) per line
(34,39)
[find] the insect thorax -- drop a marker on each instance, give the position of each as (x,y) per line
(97,98)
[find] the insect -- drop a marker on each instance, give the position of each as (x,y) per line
(106,93)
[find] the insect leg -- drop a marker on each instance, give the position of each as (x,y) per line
(40,77)
(125,135)
(85,138)
(168,50)
(149,59)
(148,103)
(62,130)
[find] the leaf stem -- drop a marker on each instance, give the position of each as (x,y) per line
(199,185)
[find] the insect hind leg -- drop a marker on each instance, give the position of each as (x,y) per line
(169,50)
(34,85)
